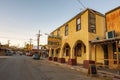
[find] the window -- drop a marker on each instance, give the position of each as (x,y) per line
(52,34)
(78,24)
(66,30)
(78,50)
(58,33)
(92,22)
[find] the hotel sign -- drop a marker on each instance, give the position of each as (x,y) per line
(54,42)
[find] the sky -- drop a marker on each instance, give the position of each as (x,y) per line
(20,20)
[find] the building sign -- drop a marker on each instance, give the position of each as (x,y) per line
(113,21)
(54,42)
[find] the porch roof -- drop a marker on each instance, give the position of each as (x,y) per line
(105,41)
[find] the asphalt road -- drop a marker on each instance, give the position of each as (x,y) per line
(25,68)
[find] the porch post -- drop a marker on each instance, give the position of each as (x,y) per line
(54,55)
(50,54)
(90,52)
(95,54)
(61,58)
(55,58)
(117,54)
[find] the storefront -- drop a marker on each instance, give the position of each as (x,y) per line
(111,48)
(54,47)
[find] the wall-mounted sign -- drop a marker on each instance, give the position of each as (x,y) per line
(54,42)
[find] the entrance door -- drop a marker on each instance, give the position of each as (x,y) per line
(78,51)
(105,48)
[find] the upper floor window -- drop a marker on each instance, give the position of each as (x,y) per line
(58,32)
(78,24)
(52,34)
(92,22)
(66,30)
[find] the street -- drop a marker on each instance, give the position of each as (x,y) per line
(25,68)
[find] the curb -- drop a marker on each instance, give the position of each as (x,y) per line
(71,67)
(83,70)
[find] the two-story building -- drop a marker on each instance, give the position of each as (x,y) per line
(71,42)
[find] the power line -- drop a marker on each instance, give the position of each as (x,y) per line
(84,6)
(81,4)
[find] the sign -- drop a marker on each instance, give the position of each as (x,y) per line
(92,70)
(54,42)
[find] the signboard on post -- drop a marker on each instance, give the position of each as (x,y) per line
(92,70)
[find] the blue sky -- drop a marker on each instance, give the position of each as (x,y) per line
(20,20)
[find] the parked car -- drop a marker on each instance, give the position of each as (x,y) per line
(9,53)
(36,56)
(21,53)
(29,54)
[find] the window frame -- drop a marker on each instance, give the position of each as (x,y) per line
(58,33)
(78,24)
(66,29)
(92,22)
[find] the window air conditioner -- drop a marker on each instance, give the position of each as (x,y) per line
(110,34)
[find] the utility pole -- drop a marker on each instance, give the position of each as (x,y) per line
(8,43)
(25,44)
(38,40)
(30,43)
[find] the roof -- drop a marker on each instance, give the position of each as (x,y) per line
(93,11)
(105,41)
(112,10)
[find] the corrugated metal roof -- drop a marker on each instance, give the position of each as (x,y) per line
(105,41)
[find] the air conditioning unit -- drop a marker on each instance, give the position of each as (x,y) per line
(110,34)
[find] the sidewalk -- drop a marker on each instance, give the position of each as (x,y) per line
(101,73)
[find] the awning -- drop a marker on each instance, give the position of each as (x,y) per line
(105,41)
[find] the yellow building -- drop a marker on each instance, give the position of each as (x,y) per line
(111,43)
(71,42)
